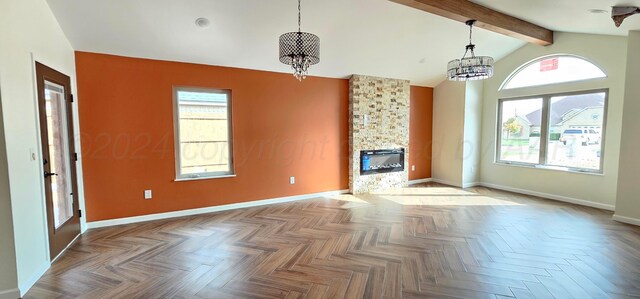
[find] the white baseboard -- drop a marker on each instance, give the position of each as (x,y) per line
(159,216)
(463,185)
(420,181)
(10,294)
(627,220)
(552,196)
(27,285)
(469,185)
(445,182)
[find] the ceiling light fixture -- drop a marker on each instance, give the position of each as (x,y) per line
(470,68)
(619,13)
(299,50)
(597,11)
(202,22)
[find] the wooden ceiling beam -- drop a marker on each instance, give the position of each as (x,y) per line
(489,19)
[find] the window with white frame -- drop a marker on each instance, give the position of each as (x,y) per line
(553,70)
(562,131)
(203,133)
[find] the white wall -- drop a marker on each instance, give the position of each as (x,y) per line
(28,29)
(448,132)
(457,120)
(8,275)
(628,202)
(472,133)
(609,53)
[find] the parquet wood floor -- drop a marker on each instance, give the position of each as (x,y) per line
(427,241)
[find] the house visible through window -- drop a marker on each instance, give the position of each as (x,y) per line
(203,133)
(553,130)
(516,118)
(560,131)
(575,130)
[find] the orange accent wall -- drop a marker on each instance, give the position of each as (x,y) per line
(420,132)
(281,128)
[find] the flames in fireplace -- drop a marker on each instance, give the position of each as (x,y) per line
(381,161)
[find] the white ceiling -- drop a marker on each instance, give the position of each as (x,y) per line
(568,15)
(371,37)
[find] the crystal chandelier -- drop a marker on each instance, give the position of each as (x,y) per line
(470,68)
(299,50)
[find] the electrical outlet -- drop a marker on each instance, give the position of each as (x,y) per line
(147,194)
(413,168)
(292,180)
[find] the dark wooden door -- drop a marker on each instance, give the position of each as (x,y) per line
(58,157)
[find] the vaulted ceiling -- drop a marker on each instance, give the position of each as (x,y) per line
(568,15)
(372,37)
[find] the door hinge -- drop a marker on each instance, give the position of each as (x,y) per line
(79,213)
(75,156)
(71,98)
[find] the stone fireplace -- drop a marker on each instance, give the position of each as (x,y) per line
(378,126)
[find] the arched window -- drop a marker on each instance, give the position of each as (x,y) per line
(562,130)
(553,69)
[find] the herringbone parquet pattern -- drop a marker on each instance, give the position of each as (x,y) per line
(422,242)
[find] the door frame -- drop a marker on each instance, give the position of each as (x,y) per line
(59,237)
(39,153)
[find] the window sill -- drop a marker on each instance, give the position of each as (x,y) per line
(550,168)
(205,178)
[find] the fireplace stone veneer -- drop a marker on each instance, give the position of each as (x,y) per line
(379,120)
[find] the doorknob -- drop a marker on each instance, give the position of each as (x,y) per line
(48,174)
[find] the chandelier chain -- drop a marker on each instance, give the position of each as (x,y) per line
(299,17)
(470,47)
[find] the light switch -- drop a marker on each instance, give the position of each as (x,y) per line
(292,180)
(147,194)
(413,168)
